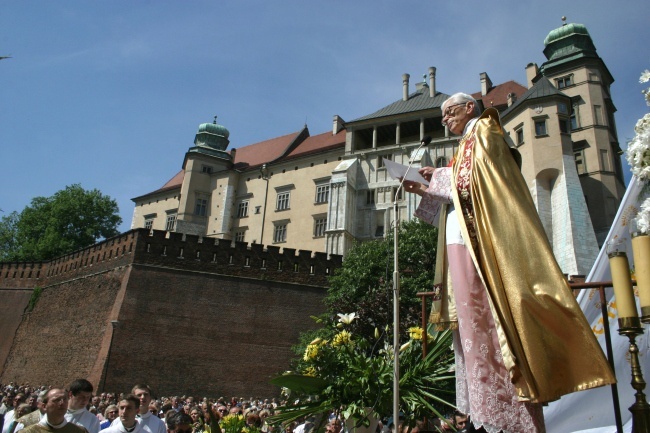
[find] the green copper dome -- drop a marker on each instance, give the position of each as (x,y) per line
(212,135)
(564,31)
(214,128)
(570,40)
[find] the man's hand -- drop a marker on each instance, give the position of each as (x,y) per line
(426,172)
(414,187)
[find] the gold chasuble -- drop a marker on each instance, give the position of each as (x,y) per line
(547,345)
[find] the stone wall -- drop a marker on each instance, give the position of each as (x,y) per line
(193,315)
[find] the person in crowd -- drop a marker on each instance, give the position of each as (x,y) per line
(110,415)
(127,421)
(34,416)
(334,426)
(10,416)
(79,393)
(498,284)
(179,422)
(460,420)
(151,423)
(55,403)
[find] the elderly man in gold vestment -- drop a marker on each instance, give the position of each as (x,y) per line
(520,337)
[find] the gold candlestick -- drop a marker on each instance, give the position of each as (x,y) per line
(641,254)
(631,327)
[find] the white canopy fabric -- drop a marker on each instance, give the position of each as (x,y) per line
(592,411)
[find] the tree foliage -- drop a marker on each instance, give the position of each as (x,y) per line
(71,219)
(364,283)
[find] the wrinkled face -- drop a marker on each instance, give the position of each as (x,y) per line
(456,115)
(80,400)
(144,396)
(57,404)
(127,411)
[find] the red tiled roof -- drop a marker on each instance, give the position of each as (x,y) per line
(319,143)
(264,151)
(497,96)
(174,182)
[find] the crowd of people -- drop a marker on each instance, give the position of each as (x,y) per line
(77,409)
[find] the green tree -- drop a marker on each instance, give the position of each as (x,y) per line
(71,219)
(363,285)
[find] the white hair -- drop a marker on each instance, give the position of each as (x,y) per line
(460,98)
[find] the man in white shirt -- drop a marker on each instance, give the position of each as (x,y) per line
(127,421)
(150,422)
(79,393)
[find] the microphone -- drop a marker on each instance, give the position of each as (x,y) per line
(425,141)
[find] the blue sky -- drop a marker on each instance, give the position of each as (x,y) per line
(109,94)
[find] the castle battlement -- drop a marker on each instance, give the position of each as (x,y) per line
(178,251)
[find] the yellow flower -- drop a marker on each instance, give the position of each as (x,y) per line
(342,338)
(311,352)
(310,371)
(415,333)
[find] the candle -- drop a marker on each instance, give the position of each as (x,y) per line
(641,252)
(622,282)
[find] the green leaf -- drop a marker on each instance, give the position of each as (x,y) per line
(300,383)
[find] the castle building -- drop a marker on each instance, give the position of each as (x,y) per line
(328,191)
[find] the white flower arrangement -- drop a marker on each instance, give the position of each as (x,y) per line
(638,156)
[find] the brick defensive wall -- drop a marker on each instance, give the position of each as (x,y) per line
(193,315)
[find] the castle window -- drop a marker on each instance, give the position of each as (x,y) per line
(573,118)
(540,127)
(206,169)
(563,82)
(598,115)
(148,221)
(380,160)
(170,224)
(322,193)
(519,136)
(580,161)
(282,202)
(320,225)
(242,209)
(280,233)
(240,236)
(370,196)
(565,124)
(201,206)
(604,160)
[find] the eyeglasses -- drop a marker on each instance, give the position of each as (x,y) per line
(449,112)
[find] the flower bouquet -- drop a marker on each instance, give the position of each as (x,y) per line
(353,374)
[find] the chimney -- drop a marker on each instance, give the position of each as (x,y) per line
(432,81)
(233,153)
(486,83)
(338,124)
(531,72)
(405,86)
(511,98)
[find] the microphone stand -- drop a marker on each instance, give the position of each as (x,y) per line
(426,140)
